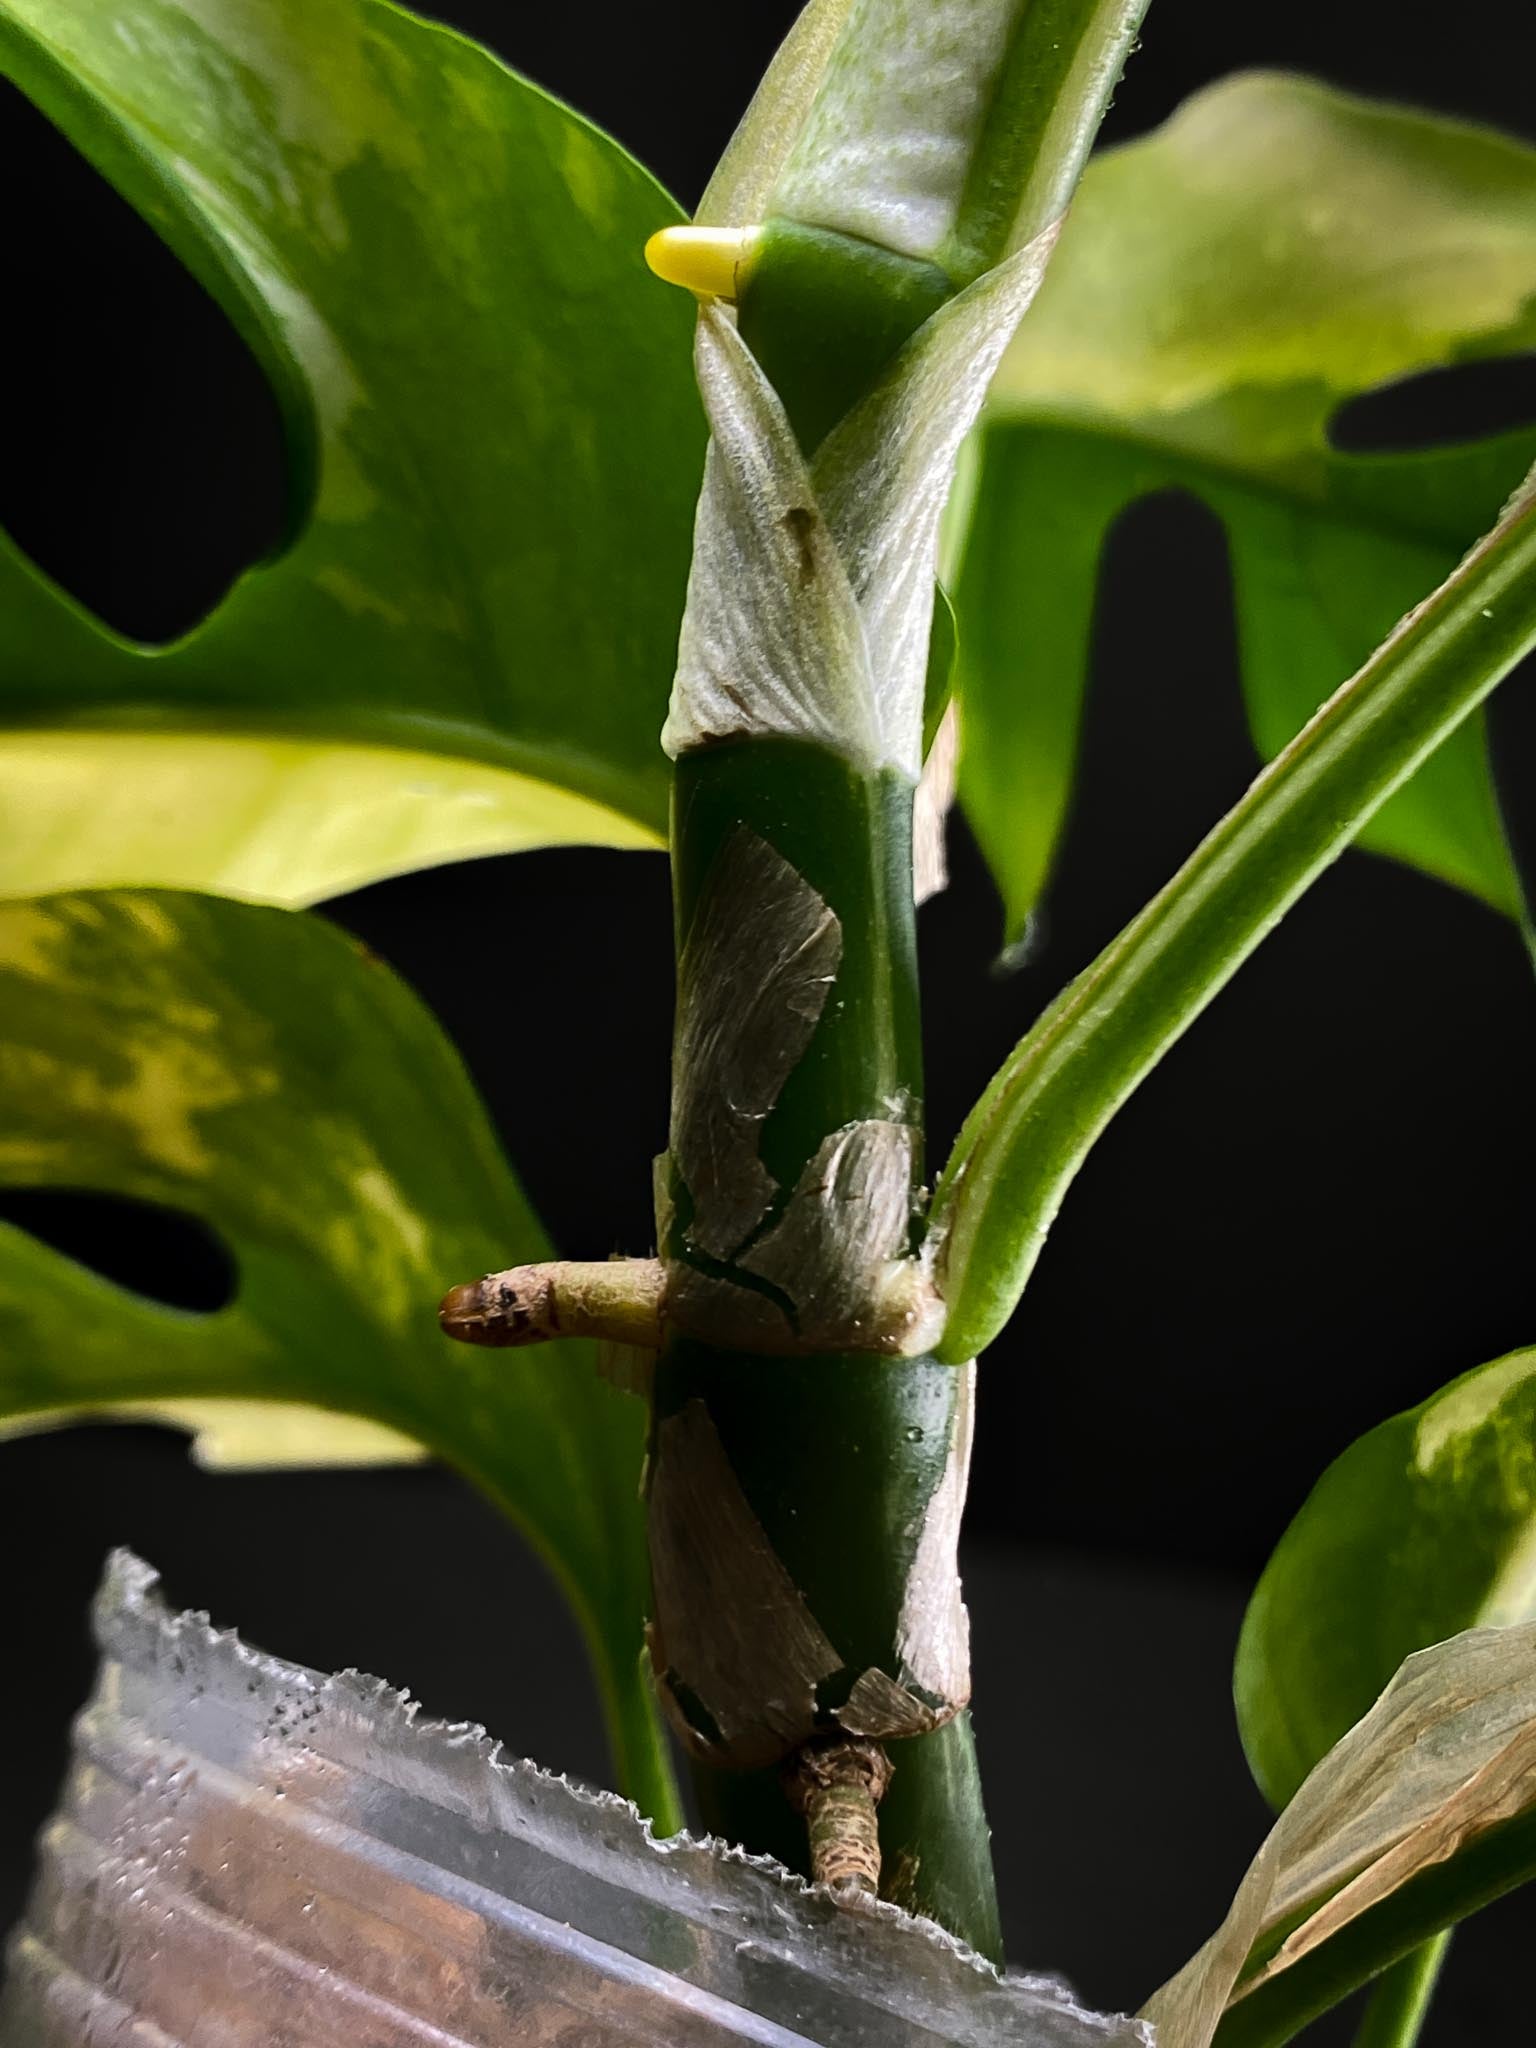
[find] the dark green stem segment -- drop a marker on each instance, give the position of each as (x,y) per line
(849,836)
(825,1468)
(803,1509)
(836,1456)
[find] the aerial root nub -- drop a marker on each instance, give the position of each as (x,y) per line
(714,262)
(838,1784)
(617,1300)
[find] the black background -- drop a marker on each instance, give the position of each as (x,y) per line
(1318,1210)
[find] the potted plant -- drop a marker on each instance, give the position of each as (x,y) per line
(464,645)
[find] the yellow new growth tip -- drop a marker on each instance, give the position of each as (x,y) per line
(710,261)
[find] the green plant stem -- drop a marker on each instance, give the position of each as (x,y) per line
(848,835)
(1035,1124)
(834,1466)
(836,1455)
(1401,1997)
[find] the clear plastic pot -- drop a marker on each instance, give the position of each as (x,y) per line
(249,1853)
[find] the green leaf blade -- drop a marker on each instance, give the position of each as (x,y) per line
(1275,248)
(494,438)
(262,1073)
(1221,289)
(1298,578)
(1425,1526)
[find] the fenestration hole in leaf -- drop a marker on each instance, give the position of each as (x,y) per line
(162,1253)
(1163,712)
(1437,408)
(144,462)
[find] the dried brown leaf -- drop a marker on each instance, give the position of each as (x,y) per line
(1446,1753)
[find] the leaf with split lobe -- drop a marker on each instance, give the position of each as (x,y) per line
(261,1072)
(1425,1526)
(1221,289)
(1050,1100)
(465,644)
(245,1436)
(1440,1769)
